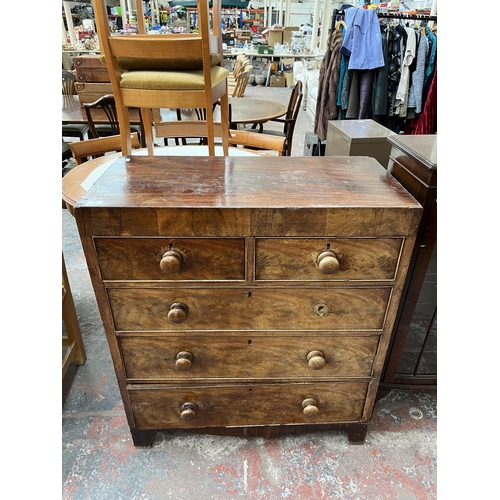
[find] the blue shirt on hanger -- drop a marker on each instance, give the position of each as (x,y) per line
(363,39)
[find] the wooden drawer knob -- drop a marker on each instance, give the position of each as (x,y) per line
(177,313)
(189,411)
(309,407)
(171,262)
(316,360)
(184,361)
(327,262)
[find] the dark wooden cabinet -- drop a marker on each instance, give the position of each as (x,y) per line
(250,296)
(412,357)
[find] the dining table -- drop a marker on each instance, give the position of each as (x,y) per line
(244,110)
(81,177)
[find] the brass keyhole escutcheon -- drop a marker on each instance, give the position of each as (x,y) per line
(321,309)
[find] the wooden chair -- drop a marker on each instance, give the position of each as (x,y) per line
(289,120)
(166,71)
(81,150)
(107,104)
(72,341)
(68,88)
(241,83)
(258,143)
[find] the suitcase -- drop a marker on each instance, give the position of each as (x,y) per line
(311,145)
(90,92)
(90,69)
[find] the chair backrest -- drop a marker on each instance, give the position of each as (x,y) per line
(97,147)
(291,115)
(68,83)
(108,106)
(181,70)
(180,51)
(294,105)
(241,84)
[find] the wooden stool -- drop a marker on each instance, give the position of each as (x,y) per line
(73,340)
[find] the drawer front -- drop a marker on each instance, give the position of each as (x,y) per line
(251,356)
(187,258)
(249,404)
(147,309)
(310,259)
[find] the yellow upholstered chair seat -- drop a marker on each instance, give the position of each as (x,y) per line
(171,80)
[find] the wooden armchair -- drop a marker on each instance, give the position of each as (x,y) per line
(107,104)
(289,120)
(166,71)
(81,150)
(68,88)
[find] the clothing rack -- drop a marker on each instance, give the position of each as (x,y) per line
(388,15)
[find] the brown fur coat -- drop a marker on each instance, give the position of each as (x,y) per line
(328,82)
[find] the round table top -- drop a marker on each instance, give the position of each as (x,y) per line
(251,110)
(80,178)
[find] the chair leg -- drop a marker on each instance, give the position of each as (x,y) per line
(224,119)
(124,122)
(147,120)
(73,340)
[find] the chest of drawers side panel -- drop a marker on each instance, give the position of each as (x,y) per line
(389,325)
(107,320)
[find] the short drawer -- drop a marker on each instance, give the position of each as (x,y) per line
(171,259)
(349,259)
(159,407)
(219,309)
(250,356)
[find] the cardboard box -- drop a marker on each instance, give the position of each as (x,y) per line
(277,81)
(274,36)
(287,34)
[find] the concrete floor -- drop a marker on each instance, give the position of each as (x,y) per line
(398,460)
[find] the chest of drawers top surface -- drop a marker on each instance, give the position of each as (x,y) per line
(421,147)
(298,188)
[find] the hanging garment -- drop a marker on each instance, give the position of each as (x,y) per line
(363,41)
(417,77)
(427,120)
(344,61)
(353,105)
(381,80)
(404,81)
(429,67)
(365,94)
(329,72)
(396,47)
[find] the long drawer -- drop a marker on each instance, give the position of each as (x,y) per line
(156,258)
(250,356)
(219,309)
(158,407)
(307,259)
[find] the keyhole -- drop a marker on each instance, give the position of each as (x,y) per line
(328,246)
(249,295)
(249,342)
(171,246)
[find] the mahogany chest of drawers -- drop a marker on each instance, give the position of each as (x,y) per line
(247,296)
